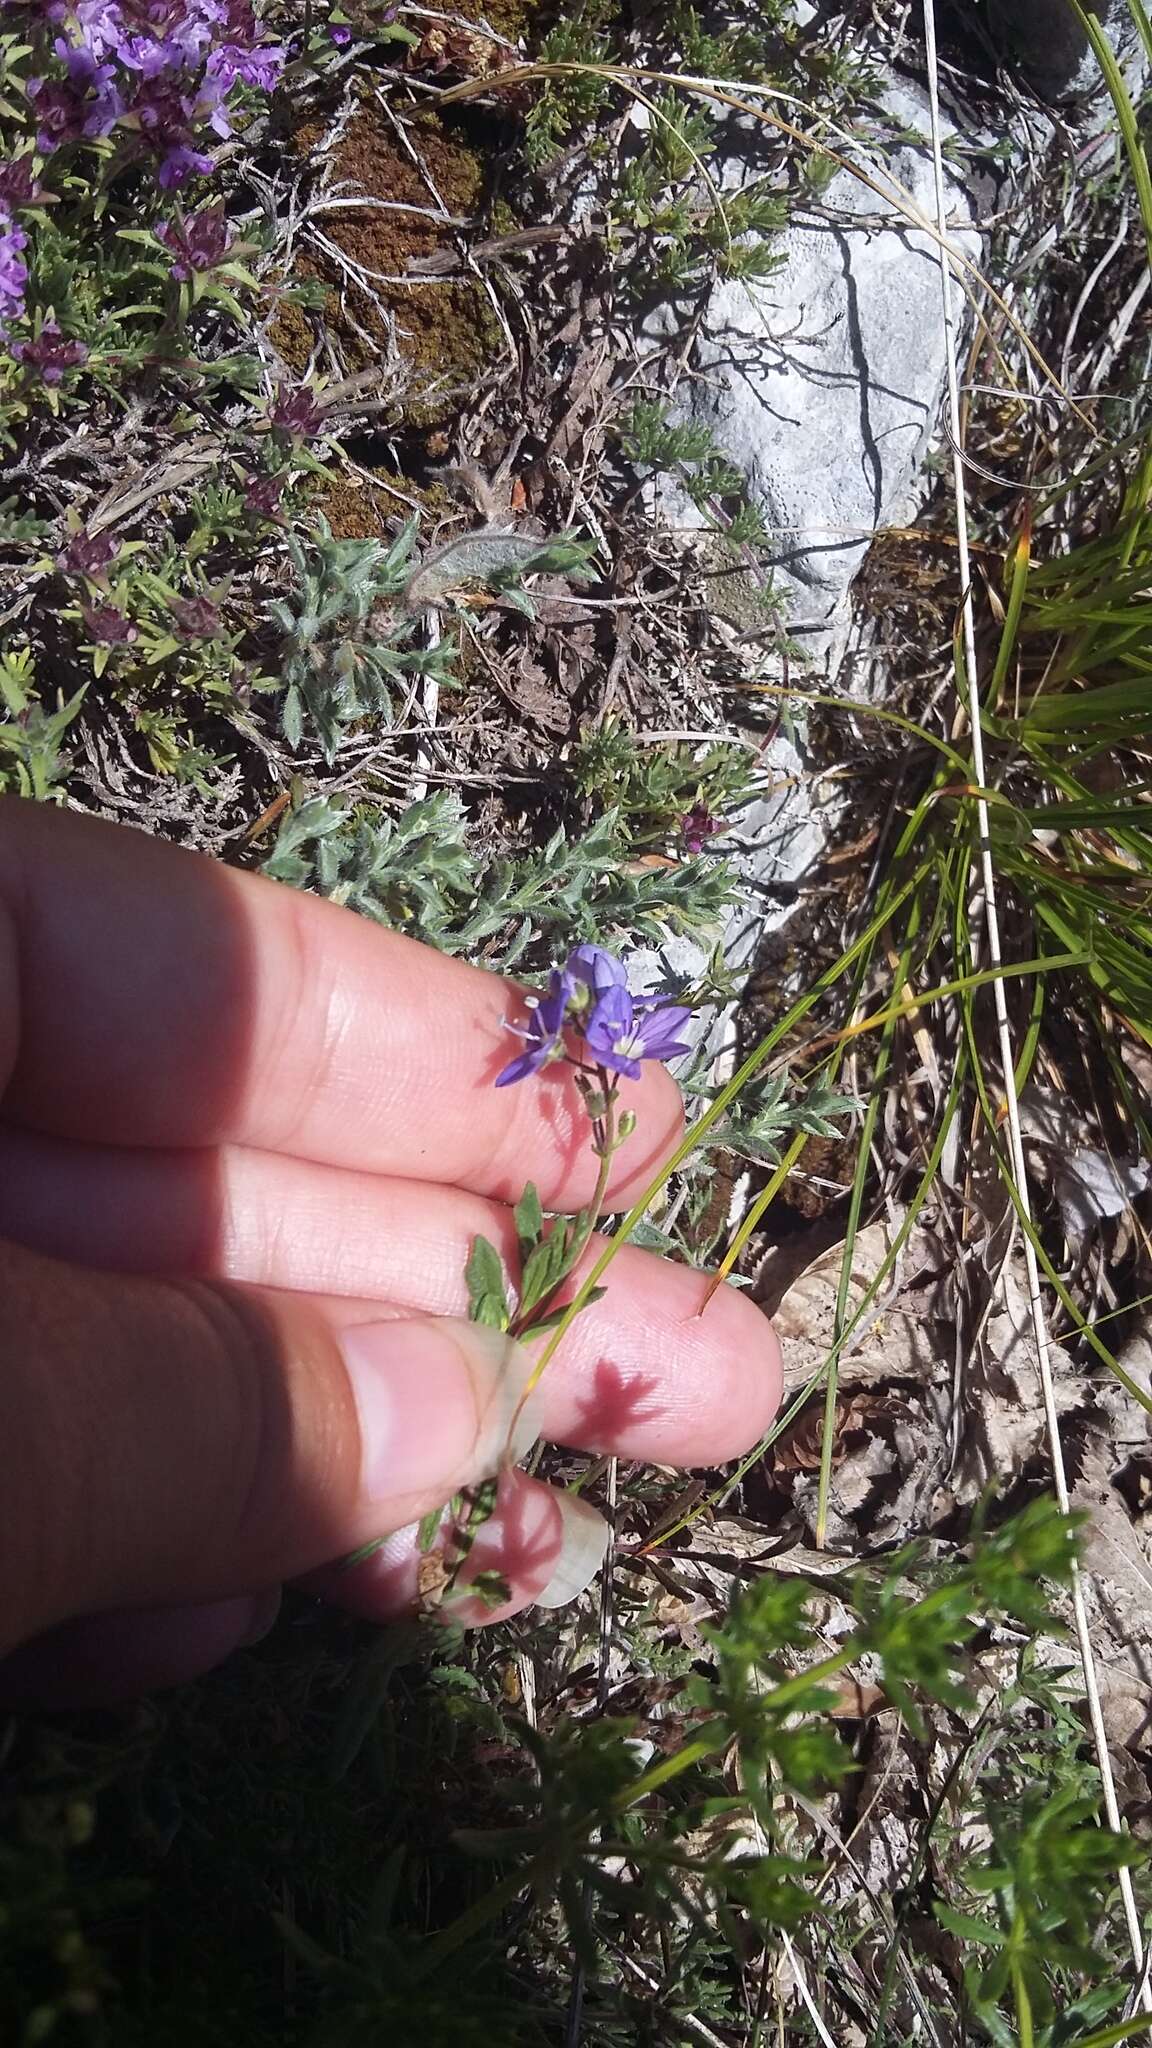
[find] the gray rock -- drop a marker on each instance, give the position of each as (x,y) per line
(823,385)
(1045,39)
(823,382)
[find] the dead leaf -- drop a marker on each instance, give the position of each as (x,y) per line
(855,1701)
(1065,1152)
(433,1579)
(1002,1392)
(799,1449)
(892,1342)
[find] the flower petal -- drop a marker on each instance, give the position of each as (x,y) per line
(611,1021)
(520,1068)
(596,968)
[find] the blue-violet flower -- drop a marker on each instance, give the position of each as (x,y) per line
(624,1030)
(589,995)
(543,1042)
(13,272)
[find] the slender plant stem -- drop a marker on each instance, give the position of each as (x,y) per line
(1023,2005)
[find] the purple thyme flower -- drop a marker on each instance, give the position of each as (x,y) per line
(180,162)
(87,554)
(54,105)
(167,122)
(100,26)
(697,827)
(197,618)
(165,68)
(48,355)
(546,1016)
(207,103)
(86,103)
(198,243)
(259,68)
(296,412)
(620,1033)
(107,626)
(13,271)
(19,185)
(94,87)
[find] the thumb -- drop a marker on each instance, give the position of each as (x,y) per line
(164,1442)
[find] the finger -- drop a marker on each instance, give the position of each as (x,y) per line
(106,1659)
(165,1443)
(545,1546)
(150,991)
(642,1373)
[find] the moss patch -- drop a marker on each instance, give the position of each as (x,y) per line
(511,18)
(445,331)
(352,510)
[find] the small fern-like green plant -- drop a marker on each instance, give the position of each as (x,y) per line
(688,451)
(346,638)
(32,760)
(418,872)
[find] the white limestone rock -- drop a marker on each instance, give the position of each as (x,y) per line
(823,382)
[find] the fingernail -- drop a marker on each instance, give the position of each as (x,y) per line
(583,1546)
(436,1400)
(523,1426)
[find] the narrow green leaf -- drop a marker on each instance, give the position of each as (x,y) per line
(1124,2030)
(547,1265)
(484,1277)
(983,1932)
(529,1218)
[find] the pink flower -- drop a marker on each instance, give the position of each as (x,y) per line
(697,826)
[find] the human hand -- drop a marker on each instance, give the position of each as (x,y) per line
(246,1142)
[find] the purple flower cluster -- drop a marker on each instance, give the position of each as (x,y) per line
(198,243)
(107,626)
(698,826)
(13,271)
(87,554)
(162,69)
(48,355)
(589,996)
(196,618)
(19,189)
(295,412)
(262,495)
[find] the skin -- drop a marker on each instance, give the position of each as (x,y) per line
(246,1140)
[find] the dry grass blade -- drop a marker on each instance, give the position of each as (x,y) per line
(1003,1027)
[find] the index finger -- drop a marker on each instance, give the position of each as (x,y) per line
(150,996)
